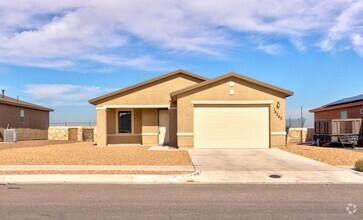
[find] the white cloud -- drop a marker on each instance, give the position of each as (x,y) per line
(346,24)
(274,49)
(299,45)
(64,94)
(112,33)
(357,40)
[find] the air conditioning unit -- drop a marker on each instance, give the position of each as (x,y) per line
(10,135)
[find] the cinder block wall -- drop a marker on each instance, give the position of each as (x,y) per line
(294,135)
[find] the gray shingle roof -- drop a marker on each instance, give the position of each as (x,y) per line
(346,100)
(17,102)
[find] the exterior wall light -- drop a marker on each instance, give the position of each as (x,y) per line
(278,105)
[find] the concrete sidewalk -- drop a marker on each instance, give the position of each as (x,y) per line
(88,179)
(94,178)
(199,177)
(94,168)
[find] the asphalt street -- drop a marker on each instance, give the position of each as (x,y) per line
(181,201)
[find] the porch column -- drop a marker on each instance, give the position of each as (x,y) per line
(101,127)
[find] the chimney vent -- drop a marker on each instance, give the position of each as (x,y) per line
(3,93)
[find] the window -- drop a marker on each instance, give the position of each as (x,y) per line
(124,122)
(322,127)
(343,115)
(361,111)
(22,116)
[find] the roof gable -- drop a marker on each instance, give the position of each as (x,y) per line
(231,74)
(145,83)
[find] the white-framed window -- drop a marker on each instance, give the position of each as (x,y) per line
(22,116)
(343,115)
(361,111)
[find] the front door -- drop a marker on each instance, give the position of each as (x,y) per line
(163,127)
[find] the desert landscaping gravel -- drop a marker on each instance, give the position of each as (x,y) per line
(87,153)
(38,143)
(94,172)
(330,155)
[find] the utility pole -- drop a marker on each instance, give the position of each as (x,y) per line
(302,125)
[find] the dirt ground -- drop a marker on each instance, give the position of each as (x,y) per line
(86,153)
(330,155)
(94,172)
(38,143)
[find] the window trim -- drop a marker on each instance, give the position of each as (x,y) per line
(117,120)
(22,116)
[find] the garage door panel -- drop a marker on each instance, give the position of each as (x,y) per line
(231,127)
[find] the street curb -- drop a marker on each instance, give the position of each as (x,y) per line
(96,178)
(135,179)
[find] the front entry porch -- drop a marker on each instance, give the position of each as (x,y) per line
(136,126)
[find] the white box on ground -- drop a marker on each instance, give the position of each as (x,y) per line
(10,135)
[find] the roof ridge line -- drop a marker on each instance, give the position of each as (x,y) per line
(155,79)
(232,73)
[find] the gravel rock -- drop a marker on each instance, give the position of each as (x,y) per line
(330,155)
(87,153)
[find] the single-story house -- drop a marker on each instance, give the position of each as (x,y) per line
(31,120)
(190,111)
(344,109)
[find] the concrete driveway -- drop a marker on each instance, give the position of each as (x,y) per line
(255,165)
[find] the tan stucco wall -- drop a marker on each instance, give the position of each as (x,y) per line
(243,91)
(172,127)
(113,137)
(111,121)
(124,139)
(157,93)
(101,127)
(150,127)
(137,121)
(185,141)
(278,140)
(144,120)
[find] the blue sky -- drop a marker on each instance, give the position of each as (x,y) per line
(62,54)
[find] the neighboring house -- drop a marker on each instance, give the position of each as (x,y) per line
(186,110)
(343,110)
(32,121)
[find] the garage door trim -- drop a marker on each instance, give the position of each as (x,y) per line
(214,102)
(228,141)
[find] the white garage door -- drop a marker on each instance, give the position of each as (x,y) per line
(231,127)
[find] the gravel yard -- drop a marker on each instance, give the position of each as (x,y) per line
(38,143)
(329,155)
(95,172)
(86,153)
